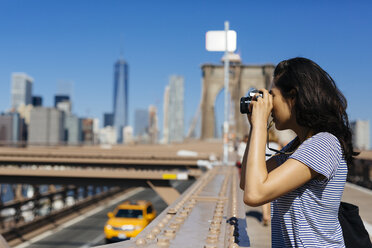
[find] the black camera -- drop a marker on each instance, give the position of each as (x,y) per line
(246,100)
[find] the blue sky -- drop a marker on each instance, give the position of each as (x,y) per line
(79,41)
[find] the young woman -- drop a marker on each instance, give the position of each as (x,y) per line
(305,181)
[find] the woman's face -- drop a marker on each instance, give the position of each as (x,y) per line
(282,112)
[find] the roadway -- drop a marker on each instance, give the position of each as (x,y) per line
(87,230)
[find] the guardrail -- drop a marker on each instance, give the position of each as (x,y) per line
(361,173)
(33,204)
(20,231)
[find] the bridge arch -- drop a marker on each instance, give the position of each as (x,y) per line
(241,79)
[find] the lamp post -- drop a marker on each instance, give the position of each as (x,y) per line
(226,105)
(223,41)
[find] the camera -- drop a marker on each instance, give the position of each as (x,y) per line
(246,100)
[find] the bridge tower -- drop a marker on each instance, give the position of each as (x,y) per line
(242,78)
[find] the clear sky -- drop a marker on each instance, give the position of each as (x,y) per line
(76,43)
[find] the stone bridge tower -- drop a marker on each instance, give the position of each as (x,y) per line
(242,78)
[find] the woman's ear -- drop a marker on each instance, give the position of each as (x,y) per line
(292,97)
(293,93)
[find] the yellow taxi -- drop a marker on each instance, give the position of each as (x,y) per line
(128,219)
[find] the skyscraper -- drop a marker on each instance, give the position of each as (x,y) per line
(141,122)
(73,132)
(46,126)
(361,136)
(87,126)
(21,89)
(175,109)
(11,129)
(120,98)
(165,139)
(108,120)
(153,124)
(6,127)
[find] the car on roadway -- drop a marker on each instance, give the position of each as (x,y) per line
(128,219)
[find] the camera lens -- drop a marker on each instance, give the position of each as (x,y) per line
(244,103)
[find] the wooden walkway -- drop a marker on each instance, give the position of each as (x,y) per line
(260,236)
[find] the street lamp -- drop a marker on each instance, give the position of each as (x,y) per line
(223,41)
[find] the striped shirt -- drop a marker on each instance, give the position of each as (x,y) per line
(308,216)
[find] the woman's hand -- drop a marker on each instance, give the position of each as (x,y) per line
(260,109)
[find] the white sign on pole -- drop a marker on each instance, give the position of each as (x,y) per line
(215,41)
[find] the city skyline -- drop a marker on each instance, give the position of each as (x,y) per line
(76,42)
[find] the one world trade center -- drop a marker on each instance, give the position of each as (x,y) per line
(120,98)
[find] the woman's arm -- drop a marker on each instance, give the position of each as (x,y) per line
(270,163)
(285,178)
(244,162)
(260,184)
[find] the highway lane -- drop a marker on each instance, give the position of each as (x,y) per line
(87,232)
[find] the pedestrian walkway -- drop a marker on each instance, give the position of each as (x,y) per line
(260,236)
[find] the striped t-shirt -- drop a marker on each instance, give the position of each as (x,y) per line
(308,216)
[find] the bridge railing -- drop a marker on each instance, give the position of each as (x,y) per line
(361,172)
(15,228)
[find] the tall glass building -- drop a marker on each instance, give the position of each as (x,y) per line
(21,89)
(141,122)
(175,109)
(120,98)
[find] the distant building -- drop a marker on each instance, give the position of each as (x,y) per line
(165,139)
(60,98)
(128,135)
(12,129)
(21,89)
(107,135)
(64,106)
(95,130)
(120,98)
(18,126)
(153,124)
(6,129)
(176,109)
(87,131)
(141,122)
(360,134)
(73,131)
(25,112)
(37,101)
(108,119)
(46,126)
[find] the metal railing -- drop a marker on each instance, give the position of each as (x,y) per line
(361,173)
(15,228)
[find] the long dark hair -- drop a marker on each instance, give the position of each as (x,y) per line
(319,104)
